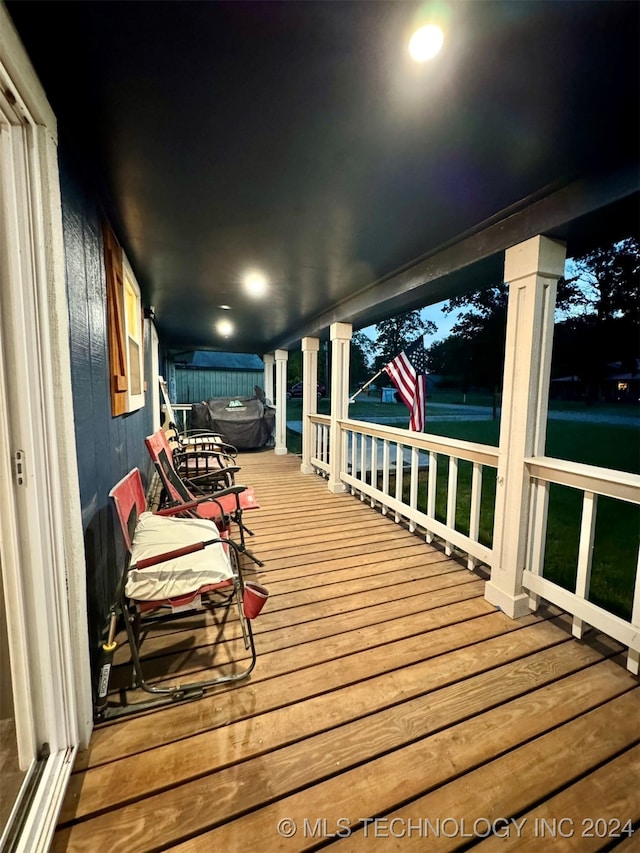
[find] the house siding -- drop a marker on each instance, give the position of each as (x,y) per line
(106,447)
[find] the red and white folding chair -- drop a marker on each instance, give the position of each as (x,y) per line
(219,506)
(175,567)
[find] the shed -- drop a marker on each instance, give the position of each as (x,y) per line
(200,375)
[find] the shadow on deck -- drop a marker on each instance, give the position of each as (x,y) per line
(386,688)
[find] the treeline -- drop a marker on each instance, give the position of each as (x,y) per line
(597,326)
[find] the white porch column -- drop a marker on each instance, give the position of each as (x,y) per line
(310,347)
(268,376)
(281,356)
(340,340)
(532,269)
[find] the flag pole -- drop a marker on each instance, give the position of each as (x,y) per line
(366,384)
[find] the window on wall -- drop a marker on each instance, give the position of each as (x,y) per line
(126,344)
(134,330)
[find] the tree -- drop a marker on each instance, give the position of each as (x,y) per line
(360,357)
(608,281)
(606,326)
(473,355)
(453,360)
(294,367)
(597,306)
(396,333)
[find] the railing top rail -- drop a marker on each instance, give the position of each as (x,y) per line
(320,419)
(590,478)
(482,453)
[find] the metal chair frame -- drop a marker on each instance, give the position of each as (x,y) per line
(140,616)
(219,505)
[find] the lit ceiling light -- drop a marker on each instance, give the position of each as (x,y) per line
(255,283)
(225,307)
(426,43)
(224,328)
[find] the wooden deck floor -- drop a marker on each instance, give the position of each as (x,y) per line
(386,688)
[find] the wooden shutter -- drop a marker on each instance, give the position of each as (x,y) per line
(115,321)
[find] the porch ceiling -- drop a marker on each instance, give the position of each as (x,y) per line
(299,139)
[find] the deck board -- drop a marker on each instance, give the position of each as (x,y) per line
(386,687)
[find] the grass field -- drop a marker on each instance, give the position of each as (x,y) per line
(618,523)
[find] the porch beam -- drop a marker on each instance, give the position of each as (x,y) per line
(281,357)
(310,348)
(532,269)
(471,260)
(340,339)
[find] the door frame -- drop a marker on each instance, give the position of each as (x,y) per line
(41,536)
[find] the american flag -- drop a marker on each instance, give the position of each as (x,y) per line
(408,373)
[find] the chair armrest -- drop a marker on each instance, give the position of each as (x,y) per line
(213,444)
(218,473)
(213,497)
(236,489)
(177,510)
(205,455)
(176,553)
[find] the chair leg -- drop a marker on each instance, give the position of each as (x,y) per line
(243,546)
(252,557)
(133,624)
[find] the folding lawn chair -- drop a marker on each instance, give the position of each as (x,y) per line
(205,469)
(218,506)
(176,567)
(191,439)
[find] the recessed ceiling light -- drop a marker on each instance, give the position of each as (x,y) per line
(225,307)
(224,328)
(255,283)
(426,43)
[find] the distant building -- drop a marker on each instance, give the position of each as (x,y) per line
(200,375)
(619,382)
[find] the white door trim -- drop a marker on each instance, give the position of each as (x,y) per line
(45,525)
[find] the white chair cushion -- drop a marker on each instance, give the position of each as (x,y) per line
(157,534)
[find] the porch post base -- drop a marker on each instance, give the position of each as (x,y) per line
(280,451)
(306,469)
(336,487)
(514,606)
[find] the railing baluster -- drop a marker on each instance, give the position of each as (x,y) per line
(633,655)
(399,475)
(452,494)
(431,490)
(374,466)
(314,442)
(363,463)
(585,555)
(413,487)
(538,526)
(474,512)
(353,448)
(385,472)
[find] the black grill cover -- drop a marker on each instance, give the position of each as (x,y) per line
(245,422)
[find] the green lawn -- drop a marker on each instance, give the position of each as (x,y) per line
(618,523)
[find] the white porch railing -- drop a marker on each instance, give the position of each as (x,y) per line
(592,482)
(320,444)
(375,454)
